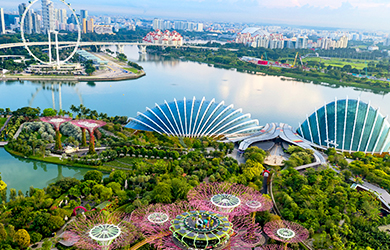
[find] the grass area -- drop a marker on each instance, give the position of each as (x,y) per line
(339,62)
(56,160)
(355,63)
(118,164)
(135,71)
(2,121)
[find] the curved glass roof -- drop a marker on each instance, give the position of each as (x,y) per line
(194,118)
(348,124)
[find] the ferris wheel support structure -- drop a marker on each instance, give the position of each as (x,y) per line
(58,62)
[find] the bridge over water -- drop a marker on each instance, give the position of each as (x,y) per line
(108,43)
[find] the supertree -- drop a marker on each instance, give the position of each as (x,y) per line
(154,221)
(272,247)
(103,231)
(255,202)
(224,198)
(185,232)
(89,125)
(286,231)
(56,121)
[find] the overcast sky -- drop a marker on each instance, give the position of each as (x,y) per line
(355,14)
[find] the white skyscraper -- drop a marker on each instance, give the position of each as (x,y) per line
(2,22)
(48,15)
(199,27)
(158,24)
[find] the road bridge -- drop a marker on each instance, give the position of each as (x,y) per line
(84,44)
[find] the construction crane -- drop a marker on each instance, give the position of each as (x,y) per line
(262,56)
(295,61)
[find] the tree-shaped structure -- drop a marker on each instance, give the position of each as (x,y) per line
(248,234)
(89,125)
(286,231)
(154,221)
(56,121)
(224,198)
(102,230)
(272,247)
(255,202)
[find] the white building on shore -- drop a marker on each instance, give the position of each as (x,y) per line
(167,37)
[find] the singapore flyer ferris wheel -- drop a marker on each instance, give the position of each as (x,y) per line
(51,31)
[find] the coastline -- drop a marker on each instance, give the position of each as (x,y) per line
(57,161)
(73,79)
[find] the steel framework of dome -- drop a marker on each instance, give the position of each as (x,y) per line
(348,125)
(195,118)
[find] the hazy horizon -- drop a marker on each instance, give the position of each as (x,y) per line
(352,14)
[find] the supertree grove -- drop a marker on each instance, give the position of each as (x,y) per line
(229,199)
(102,230)
(286,231)
(89,125)
(154,221)
(56,121)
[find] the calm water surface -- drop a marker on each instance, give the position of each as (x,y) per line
(20,173)
(267,98)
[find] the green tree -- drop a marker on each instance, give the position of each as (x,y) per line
(94,175)
(49,112)
(22,238)
(3,233)
(162,193)
(180,188)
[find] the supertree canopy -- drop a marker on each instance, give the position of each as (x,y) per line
(89,125)
(286,231)
(225,198)
(103,231)
(56,121)
(154,222)
(156,218)
(272,247)
(248,233)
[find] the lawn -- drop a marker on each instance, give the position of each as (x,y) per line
(2,121)
(135,71)
(355,63)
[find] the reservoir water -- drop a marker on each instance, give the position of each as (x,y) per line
(20,173)
(267,98)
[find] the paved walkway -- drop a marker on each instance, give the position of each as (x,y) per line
(380,192)
(6,123)
(18,132)
(107,133)
(276,156)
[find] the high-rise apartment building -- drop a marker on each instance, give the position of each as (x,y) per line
(84,25)
(107,20)
(37,23)
(301,42)
(343,42)
(90,25)
(48,18)
(84,16)
(60,15)
(158,24)
(28,23)
(199,27)
(2,21)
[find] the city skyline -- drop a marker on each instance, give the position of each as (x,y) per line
(352,14)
